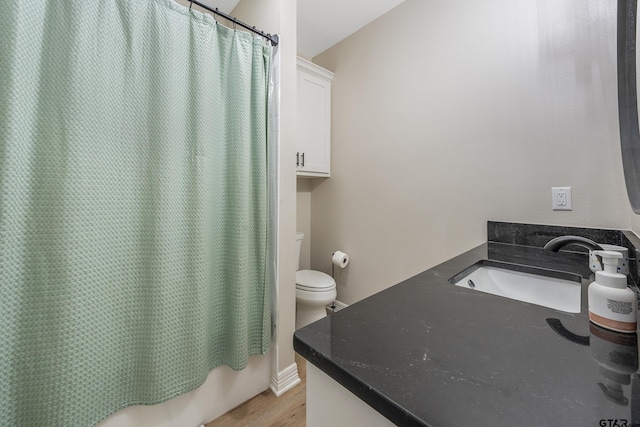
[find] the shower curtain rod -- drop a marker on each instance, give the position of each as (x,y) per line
(273,38)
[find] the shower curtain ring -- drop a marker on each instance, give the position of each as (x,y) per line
(190,4)
(235,21)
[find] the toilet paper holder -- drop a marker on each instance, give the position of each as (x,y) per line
(340,259)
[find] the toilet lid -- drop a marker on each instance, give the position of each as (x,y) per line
(311,280)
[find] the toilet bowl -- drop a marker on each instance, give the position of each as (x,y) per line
(314,290)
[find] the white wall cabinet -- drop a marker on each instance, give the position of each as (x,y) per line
(313,157)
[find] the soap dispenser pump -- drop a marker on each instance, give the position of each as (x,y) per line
(612,304)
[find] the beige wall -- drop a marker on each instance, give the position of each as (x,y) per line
(303,220)
(448,114)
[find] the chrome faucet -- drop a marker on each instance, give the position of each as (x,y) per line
(557,243)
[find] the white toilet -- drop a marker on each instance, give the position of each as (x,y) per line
(314,290)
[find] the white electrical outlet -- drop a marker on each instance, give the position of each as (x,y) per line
(561,199)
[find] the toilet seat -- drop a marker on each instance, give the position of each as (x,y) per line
(314,281)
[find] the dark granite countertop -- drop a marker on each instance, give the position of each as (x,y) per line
(427,353)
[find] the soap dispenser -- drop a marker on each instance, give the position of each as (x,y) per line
(612,304)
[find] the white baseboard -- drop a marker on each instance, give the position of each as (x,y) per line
(285,380)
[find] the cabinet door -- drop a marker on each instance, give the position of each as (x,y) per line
(314,124)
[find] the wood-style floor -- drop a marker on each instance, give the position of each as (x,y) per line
(267,410)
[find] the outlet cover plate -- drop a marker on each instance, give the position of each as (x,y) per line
(561,199)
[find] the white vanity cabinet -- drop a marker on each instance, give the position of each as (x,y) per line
(313,157)
(329,403)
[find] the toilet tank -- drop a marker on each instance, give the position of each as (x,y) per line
(299,237)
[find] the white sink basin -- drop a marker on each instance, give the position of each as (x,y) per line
(540,288)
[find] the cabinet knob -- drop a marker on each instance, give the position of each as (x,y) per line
(298,159)
(302,159)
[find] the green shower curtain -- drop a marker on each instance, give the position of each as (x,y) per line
(133,205)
